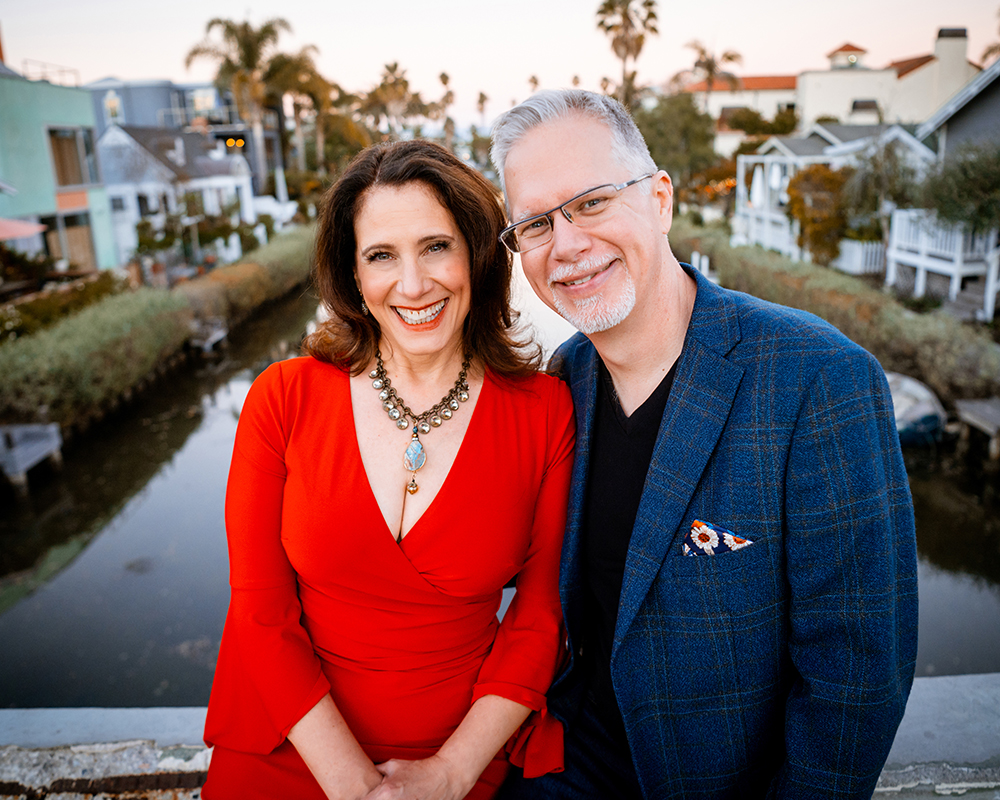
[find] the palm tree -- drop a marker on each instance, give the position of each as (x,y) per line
(243,56)
(442,106)
(533,82)
(481,102)
(627,23)
(293,75)
(993,50)
(708,67)
(393,101)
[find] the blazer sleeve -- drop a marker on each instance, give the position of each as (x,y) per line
(850,547)
(268,675)
(530,641)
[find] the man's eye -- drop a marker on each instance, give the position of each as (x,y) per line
(534,227)
(593,204)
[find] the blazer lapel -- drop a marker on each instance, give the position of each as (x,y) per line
(701,398)
(583,386)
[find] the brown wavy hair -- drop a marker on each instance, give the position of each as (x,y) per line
(350,338)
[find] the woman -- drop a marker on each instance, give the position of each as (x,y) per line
(382,492)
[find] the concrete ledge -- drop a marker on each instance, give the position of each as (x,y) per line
(947,744)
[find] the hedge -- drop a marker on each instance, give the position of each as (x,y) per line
(77,368)
(270,272)
(82,365)
(956,360)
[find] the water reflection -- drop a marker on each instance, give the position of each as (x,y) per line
(115,571)
(116,568)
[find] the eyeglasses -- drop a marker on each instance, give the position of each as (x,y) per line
(586,209)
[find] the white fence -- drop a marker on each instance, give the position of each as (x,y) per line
(860,258)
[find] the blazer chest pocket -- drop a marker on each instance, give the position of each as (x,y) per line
(740,582)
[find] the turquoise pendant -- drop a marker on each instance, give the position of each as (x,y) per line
(415,456)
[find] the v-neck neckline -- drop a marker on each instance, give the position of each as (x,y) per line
(398,543)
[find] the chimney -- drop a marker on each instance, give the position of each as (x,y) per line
(951,47)
(1,50)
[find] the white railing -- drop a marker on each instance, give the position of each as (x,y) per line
(918,241)
(772,230)
(860,258)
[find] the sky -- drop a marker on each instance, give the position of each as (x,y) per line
(484,47)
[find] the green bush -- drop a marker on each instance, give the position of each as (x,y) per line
(23,318)
(270,272)
(955,360)
(84,363)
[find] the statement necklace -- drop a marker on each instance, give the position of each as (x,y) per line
(416,456)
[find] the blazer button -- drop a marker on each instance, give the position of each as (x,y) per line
(579,652)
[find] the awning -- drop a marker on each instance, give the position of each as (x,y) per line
(18,228)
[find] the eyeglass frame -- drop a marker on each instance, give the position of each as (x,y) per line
(618,187)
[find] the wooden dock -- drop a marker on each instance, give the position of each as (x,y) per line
(983,415)
(24,446)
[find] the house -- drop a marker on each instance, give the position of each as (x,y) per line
(191,108)
(762,181)
(149,171)
(51,173)
(969,117)
(905,91)
(766,94)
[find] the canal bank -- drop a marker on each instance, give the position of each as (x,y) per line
(947,744)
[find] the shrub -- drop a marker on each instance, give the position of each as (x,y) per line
(233,291)
(966,188)
(815,200)
(23,318)
(82,364)
(955,360)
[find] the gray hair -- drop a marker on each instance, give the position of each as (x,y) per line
(630,148)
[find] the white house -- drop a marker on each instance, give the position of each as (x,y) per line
(148,171)
(762,181)
(906,91)
(766,94)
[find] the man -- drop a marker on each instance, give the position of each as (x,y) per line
(739,570)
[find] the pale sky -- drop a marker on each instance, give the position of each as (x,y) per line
(492,47)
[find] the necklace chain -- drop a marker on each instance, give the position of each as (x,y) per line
(397,410)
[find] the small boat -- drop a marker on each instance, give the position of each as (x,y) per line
(920,417)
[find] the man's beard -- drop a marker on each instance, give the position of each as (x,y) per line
(594,314)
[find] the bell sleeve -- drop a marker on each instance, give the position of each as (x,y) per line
(268,675)
(530,642)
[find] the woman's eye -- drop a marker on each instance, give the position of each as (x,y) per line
(377,256)
(437,247)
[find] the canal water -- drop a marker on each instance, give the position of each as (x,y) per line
(113,574)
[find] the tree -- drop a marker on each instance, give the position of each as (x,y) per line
(709,68)
(533,82)
(680,137)
(243,56)
(442,108)
(292,75)
(481,102)
(882,179)
(393,101)
(627,22)
(993,50)
(965,189)
(816,201)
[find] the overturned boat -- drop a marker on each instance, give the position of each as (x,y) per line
(920,417)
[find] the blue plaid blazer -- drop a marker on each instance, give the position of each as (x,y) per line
(780,669)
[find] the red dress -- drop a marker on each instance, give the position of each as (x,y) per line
(403,636)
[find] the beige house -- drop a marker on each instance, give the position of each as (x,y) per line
(906,91)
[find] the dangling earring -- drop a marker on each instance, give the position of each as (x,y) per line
(364,307)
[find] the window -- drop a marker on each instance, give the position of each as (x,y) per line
(117,203)
(144,207)
(113,112)
(73,156)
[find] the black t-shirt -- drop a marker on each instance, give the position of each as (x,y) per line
(620,451)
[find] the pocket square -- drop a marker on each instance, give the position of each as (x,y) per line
(706,538)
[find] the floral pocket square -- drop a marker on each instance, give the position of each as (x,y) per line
(705,538)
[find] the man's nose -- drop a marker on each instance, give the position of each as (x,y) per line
(568,240)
